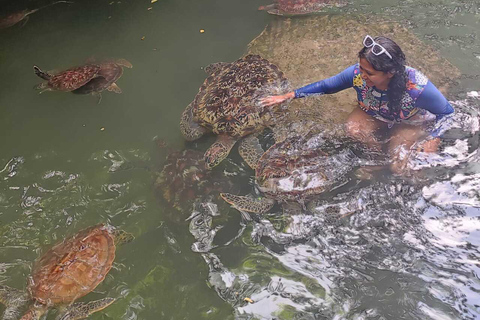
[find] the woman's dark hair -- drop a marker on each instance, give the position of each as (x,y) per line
(398,83)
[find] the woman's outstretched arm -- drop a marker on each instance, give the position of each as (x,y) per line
(339,82)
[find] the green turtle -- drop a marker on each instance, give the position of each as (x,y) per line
(23,15)
(296,169)
(67,80)
(109,73)
(227,104)
(65,273)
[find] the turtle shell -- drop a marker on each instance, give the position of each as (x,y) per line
(73,268)
(299,167)
(299,7)
(227,101)
(109,73)
(73,78)
(184,178)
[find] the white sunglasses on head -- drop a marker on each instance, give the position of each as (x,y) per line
(377,49)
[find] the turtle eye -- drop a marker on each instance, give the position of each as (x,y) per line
(82,247)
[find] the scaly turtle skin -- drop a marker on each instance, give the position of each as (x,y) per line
(67,80)
(299,7)
(295,170)
(66,272)
(227,104)
(106,77)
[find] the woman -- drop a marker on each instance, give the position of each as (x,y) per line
(393,99)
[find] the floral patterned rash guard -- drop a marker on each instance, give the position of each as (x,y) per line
(421,98)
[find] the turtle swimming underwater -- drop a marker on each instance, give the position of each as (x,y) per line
(184,178)
(105,79)
(65,273)
(299,7)
(14,18)
(67,80)
(296,169)
(226,104)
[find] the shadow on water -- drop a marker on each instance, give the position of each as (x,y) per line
(386,248)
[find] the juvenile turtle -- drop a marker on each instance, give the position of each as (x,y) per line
(67,80)
(226,104)
(184,178)
(105,79)
(299,7)
(65,273)
(296,169)
(22,15)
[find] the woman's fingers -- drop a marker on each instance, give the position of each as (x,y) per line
(271,100)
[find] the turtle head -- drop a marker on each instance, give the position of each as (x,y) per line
(122,237)
(41,73)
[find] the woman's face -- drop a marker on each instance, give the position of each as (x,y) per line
(373,77)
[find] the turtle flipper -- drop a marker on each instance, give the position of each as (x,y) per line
(13,299)
(42,87)
(249,204)
(124,63)
(190,129)
(219,150)
(250,150)
(268,7)
(114,88)
(41,74)
(98,95)
(81,310)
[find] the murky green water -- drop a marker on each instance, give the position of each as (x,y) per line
(411,251)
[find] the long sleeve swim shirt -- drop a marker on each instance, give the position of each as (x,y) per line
(420,94)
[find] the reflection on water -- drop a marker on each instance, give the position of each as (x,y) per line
(386,248)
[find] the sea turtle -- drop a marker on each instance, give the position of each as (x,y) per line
(22,15)
(184,178)
(109,73)
(65,273)
(296,169)
(227,104)
(298,7)
(67,80)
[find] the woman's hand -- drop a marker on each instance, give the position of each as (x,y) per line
(273,100)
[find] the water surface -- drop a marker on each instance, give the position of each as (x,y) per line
(406,250)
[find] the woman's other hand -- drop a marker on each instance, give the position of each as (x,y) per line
(273,100)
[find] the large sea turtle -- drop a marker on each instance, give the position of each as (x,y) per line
(184,179)
(109,73)
(226,104)
(299,7)
(67,80)
(65,273)
(296,169)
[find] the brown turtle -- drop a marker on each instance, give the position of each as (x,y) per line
(67,272)
(105,79)
(15,17)
(184,178)
(67,80)
(296,169)
(299,7)
(227,104)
